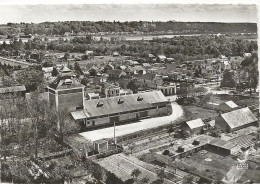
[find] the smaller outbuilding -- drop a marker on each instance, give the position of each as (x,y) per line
(227,106)
(193,126)
(101,145)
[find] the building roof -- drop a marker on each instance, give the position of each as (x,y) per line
(128,103)
(196,123)
(12,89)
(59,83)
(65,69)
(78,115)
(239,117)
(230,104)
(115,72)
(148,76)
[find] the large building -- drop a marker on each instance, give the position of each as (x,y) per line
(120,109)
(236,119)
(66,92)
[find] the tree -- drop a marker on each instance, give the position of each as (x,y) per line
(54,72)
(133,86)
(145,180)
(92,72)
(229,79)
(161,174)
(31,78)
(188,179)
(135,173)
(216,131)
(77,68)
(66,56)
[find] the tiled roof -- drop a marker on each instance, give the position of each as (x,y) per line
(195,123)
(239,117)
(12,89)
(129,102)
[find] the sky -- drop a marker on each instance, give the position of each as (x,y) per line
(128,12)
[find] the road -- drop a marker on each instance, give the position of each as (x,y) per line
(13,62)
(134,127)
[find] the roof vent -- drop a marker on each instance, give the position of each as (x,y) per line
(100,104)
(139,98)
(120,101)
(68,82)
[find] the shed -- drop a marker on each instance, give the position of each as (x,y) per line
(100,145)
(227,106)
(193,126)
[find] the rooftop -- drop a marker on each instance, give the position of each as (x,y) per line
(127,103)
(59,83)
(239,117)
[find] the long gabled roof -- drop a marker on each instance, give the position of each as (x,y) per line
(239,117)
(12,89)
(59,83)
(122,103)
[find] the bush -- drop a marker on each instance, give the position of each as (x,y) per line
(166,152)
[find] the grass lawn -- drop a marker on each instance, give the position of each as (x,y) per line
(239,100)
(194,112)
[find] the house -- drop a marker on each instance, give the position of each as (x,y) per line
(66,92)
(109,67)
(236,120)
(47,71)
(227,106)
(121,109)
(136,70)
(150,80)
(65,71)
(194,126)
(115,54)
(168,89)
(161,58)
(236,62)
(225,65)
(110,90)
(90,53)
(247,55)
(15,91)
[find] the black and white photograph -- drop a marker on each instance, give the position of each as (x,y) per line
(114,92)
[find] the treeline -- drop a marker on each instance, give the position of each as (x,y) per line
(59,28)
(179,48)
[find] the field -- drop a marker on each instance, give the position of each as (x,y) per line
(216,168)
(96,60)
(194,112)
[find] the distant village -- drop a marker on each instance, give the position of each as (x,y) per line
(86,117)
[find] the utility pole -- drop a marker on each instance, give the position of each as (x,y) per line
(115,134)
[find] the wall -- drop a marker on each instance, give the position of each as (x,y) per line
(71,100)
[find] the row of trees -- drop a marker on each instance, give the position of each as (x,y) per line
(59,28)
